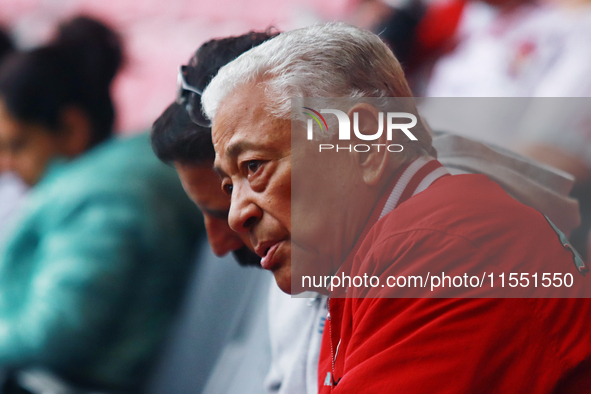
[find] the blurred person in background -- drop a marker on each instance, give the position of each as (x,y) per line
(95,268)
(516,48)
(529,49)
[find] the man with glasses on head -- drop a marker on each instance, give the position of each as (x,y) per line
(295,324)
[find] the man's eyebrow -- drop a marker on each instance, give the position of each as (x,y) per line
(233,150)
(238,147)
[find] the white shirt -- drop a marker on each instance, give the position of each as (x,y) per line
(295,328)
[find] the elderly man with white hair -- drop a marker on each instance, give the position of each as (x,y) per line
(384,212)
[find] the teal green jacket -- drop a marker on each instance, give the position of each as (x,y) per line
(91,278)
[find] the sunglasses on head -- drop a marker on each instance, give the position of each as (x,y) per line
(190,97)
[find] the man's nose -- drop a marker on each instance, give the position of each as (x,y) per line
(221,238)
(244,213)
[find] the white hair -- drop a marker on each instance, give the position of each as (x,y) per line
(325,60)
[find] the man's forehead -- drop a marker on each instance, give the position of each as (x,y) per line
(238,117)
(225,125)
(245,102)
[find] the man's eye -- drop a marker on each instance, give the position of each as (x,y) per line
(227,188)
(253,166)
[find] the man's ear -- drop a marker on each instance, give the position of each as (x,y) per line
(374,162)
(76,132)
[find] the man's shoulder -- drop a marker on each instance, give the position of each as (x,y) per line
(462,205)
(464,222)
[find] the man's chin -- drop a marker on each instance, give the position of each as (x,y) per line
(283,279)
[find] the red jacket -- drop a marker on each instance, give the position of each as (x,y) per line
(456,345)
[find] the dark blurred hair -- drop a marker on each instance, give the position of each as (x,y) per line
(75,69)
(174,136)
(6,44)
(399,31)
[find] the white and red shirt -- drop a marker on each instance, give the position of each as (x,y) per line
(417,345)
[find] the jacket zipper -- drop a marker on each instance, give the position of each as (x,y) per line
(331,347)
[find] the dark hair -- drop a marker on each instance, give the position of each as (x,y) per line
(6,44)
(75,69)
(214,54)
(174,136)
